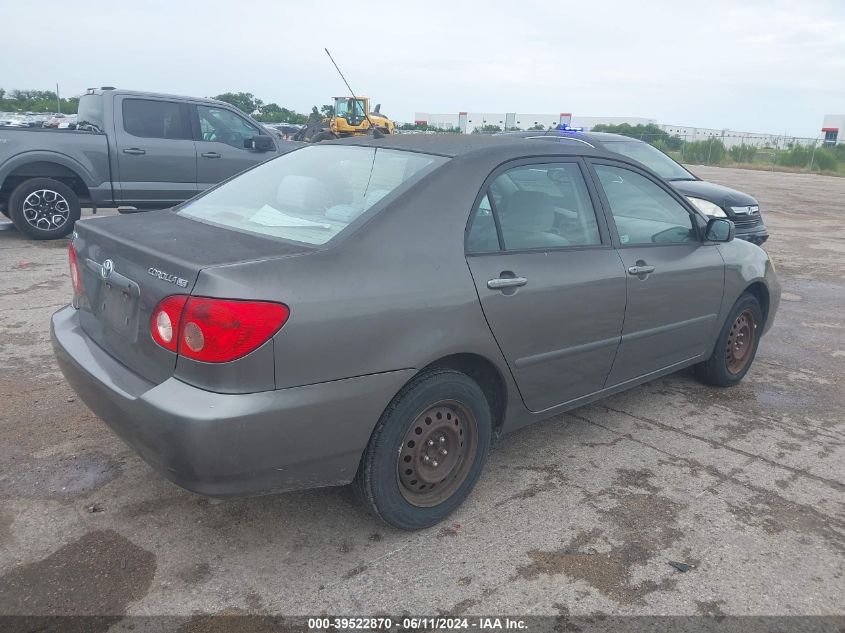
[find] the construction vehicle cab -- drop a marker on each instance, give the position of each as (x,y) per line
(350,117)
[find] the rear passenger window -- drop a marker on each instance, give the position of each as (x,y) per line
(155,119)
(538,206)
(482,236)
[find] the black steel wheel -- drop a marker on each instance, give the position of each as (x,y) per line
(427,450)
(437,453)
(736,346)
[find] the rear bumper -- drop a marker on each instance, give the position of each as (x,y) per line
(228,444)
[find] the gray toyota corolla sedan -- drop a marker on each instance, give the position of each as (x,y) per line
(378,311)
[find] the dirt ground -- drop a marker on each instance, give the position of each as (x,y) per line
(580,514)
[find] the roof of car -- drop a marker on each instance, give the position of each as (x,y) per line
(453,145)
(590,137)
(157,95)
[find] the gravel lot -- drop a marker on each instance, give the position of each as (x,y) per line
(579,514)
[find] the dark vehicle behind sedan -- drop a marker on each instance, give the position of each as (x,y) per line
(378,311)
(716,201)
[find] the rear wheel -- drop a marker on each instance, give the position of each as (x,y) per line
(44,208)
(736,346)
(427,450)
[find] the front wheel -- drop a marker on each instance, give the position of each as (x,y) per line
(736,346)
(44,208)
(427,450)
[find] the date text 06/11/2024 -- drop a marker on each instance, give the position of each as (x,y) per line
(416,623)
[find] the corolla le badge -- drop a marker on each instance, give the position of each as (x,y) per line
(106,269)
(173,279)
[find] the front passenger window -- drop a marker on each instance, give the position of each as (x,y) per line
(224,126)
(643,212)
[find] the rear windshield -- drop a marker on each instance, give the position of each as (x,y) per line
(311,194)
(90,113)
(651,157)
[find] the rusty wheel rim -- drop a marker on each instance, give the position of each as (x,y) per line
(437,453)
(741,342)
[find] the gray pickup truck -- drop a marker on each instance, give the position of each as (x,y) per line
(131,150)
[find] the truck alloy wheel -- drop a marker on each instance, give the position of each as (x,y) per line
(46,210)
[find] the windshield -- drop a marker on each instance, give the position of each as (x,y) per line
(652,158)
(343,106)
(312,194)
(90,113)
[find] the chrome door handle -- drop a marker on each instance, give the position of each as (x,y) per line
(134,150)
(506,282)
(640,270)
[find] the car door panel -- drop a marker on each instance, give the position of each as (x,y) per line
(559,333)
(156,156)
(671,312)
(553,289)
(675,282)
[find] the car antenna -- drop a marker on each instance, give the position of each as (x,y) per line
(376,132)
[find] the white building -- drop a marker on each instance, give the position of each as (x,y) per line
(466,122)
(732,138)
(833,128)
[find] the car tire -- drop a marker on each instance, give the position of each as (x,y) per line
(44,208)
(736,346)
(438,424)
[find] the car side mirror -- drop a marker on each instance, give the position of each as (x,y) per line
(719,230)
(260,143)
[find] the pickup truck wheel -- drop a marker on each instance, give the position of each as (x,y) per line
(44,208)
(427,450)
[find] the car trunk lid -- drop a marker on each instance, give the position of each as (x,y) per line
(130,263)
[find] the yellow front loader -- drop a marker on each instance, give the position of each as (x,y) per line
(352,117)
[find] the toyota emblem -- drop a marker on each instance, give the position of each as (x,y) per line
(107,269)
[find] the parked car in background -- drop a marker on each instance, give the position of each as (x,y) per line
(136,150)
(68,123)
(378,310)
(713,200)
(55,119)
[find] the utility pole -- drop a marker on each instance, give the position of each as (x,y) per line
(58,101)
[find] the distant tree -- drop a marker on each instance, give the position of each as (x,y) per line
(649,133)
(274,113)
(243,101)
(538,126)
(487,129)
(35,101)
(327,111)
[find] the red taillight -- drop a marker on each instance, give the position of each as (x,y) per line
(75,273)
(164,322)
(215,330)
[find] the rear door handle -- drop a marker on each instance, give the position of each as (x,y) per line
(640,270)
(210,155)
(134,151)
(506,282)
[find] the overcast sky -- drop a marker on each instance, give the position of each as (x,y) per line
(747,65)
